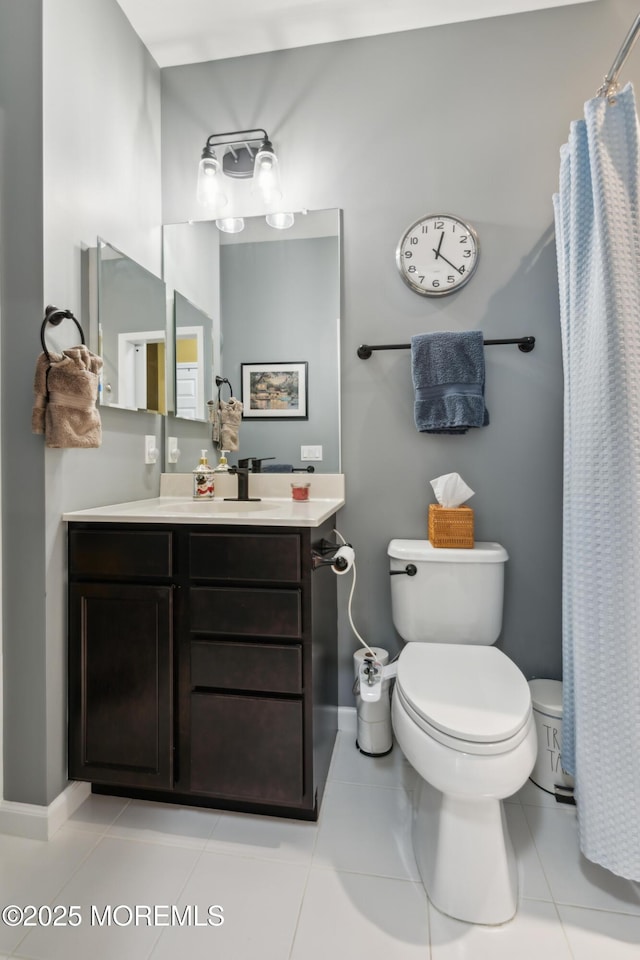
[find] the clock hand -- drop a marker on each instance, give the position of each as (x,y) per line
(442,257)
(437,252)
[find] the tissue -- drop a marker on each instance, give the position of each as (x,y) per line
(345,555)
(451,490)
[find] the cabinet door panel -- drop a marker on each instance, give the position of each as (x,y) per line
(270,558)
(243,611)
(270,667)
(247,748)
(120,684)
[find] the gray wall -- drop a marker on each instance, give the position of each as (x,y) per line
(466,119)
(95,172)
(21,293)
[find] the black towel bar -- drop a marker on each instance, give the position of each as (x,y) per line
(526,344)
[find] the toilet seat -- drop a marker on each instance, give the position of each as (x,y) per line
(472,699)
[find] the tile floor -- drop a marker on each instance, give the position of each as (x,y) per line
(344,887)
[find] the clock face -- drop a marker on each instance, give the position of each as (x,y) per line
(437,255)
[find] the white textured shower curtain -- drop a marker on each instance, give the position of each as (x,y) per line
(598,244)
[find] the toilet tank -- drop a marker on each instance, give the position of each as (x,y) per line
(455,596)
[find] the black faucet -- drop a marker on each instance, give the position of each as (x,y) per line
(242,470)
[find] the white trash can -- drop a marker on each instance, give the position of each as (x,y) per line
(546,699)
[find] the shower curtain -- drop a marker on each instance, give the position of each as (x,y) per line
(598,246)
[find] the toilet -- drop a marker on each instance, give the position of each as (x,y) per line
(462,716)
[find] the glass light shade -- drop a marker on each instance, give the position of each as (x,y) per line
(281,221)
(210,190)
(266,174)
(230,225)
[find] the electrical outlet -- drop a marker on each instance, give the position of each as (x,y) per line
(173,454)
(311,453)
(150,449)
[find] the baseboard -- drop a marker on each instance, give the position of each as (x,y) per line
(348,720)
(40,823)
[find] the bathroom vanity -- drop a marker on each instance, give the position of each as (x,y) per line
(202,653)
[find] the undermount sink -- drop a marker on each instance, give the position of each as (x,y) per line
(225,506)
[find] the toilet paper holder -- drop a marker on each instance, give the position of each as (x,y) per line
(323,554)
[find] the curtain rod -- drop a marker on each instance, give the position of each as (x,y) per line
(526,344)
(610,84)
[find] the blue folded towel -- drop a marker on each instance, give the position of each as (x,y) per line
(448,378)
(277,468)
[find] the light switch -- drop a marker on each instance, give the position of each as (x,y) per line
(311,452)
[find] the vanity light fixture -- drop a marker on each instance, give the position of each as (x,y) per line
(230,224)
(281,221)
(247,154)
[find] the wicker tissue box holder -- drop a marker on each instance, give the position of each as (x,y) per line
(450,526)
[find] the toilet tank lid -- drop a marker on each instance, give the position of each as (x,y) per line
(421,550)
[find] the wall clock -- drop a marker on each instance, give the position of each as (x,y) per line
(438,254)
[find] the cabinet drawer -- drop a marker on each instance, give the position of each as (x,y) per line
(243,556)
(247,748)
(270,667)
(120,553)
(245,611)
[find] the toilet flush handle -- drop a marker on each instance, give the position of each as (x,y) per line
(410,570)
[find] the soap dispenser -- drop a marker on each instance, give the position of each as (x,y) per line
(203,481)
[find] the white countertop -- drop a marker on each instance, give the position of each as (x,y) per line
(274,509)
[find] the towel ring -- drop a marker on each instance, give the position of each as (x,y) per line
(219,382)
(54,316)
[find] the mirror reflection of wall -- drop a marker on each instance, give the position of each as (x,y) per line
(194,358)
(277,293)
(131,333)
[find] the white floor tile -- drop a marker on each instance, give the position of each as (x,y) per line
(345,887)
(362,918)
(351,766)
(573,879)
(594,934)
(117,872)
(532,881)
(97,813)
(165,823)
(269,838)
(366,830)
(34,871)
(533,933)
(261,902)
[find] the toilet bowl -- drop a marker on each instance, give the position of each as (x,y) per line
(462,716)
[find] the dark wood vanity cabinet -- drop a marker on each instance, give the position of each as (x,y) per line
(202,664)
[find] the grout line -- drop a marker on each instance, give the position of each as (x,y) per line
(564,932)
(177,900)
(297,923)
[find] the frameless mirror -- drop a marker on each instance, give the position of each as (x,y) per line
(131,332)
(268,304)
